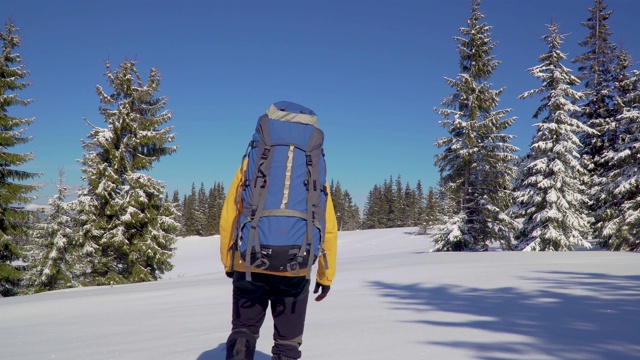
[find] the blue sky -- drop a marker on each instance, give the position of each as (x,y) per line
(372,70)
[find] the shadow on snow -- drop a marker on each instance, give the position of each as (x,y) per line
(219,353)
(566,315)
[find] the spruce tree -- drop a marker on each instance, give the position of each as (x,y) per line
(189,213)
(551,194)
(202,203)
(55,256)
(419,210)
(433,215)
(127,226)
(13,189)
(347,213)
(617,219)
(214,209)
(411,203)
(175,200)
(597,73)
(335,189)
(388,205)
(375,209)
(399,205)
(351,220)
(476,163)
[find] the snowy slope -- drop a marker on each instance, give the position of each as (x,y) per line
(391,300)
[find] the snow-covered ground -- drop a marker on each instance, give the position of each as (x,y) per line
(391,299)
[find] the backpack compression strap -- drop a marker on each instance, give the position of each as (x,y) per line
(261,188)
(313,199)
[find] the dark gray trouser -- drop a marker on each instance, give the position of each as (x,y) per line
(288,297)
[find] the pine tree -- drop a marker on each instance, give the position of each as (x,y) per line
(13,190)
(433,215)
(596,67)
(477,160)
(351,220)
(214,209)
(398,205)
(55,256)
(411,203)
(420,206)
(175,200)
(347,213)
(127,227)
(202,202)
(335,189)
(617,219)
(189,214)
(388,207)
(221,195)
(375,209)
(552,196)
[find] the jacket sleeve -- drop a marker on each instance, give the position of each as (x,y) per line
(325,274)
(230,212)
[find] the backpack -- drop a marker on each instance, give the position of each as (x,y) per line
(284,195)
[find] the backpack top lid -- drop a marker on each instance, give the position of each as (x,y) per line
(292,112)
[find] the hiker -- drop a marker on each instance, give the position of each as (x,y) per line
(277,220)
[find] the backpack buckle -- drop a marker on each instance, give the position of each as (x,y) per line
(260,264)
(293,266)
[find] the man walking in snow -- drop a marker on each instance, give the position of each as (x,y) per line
(277,220)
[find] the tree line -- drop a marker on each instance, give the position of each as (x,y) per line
(199,212)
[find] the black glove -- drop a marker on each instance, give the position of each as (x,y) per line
(229,274)
(323,293)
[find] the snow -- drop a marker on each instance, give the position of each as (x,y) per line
(391,299)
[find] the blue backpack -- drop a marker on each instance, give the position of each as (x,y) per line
(284,195)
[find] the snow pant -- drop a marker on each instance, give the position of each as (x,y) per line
(288,297)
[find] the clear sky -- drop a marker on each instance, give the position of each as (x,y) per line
(372,70)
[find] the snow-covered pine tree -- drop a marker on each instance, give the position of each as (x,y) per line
(477,161)
(126,223)
(617,217)
(13,189)
(597,73)
(551,194)
(55,256)
(175,199)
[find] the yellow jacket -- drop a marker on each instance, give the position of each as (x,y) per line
(231,211)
